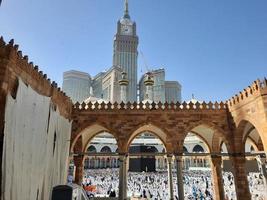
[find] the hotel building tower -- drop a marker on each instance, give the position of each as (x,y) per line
(125,51)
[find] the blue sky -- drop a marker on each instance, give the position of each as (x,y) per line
(214,48)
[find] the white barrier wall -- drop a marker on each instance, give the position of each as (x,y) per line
(36,147)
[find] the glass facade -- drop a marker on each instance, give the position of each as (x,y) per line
(98,85)
(76,85)
(173,91)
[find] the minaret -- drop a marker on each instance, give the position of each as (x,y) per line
(91,92)
(123,83)
(125,51)
(149,82)
(126,9)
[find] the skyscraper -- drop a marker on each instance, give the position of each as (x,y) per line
(173,91)
(125,51)
(158,86)
(76,84)
(163,90)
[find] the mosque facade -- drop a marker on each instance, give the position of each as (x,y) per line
(42,130)
(227,124)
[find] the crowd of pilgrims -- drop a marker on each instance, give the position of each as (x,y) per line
(154,185)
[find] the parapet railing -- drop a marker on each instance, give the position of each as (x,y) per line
(150,106)
(185,154)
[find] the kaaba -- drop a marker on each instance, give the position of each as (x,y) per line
(142,163)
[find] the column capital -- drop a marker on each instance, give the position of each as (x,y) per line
(215,156)
(123,154)
(169,158)
(78,158)
(216,159)
(239,159)
(237,155)
(169,154)
(179,154)
(78,155)
(122,157)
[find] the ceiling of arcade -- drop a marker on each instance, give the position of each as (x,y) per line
(251,132)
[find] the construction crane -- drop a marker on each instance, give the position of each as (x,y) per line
(145,63)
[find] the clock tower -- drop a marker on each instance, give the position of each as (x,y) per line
(125,51)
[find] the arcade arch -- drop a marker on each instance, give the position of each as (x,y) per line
(195,145)
(153,130)
(255,159)
(211,134)
(100,156)
(105,145)
(147,142)
(251,137)
(85,135)
(202,156)
(249,132)
(144,148)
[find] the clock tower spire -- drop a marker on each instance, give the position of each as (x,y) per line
(126,9)
(125,51)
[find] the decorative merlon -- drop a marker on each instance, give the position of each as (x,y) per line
(150,106)
(14,53)
(254,89)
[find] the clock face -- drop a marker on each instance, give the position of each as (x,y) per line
(126,29)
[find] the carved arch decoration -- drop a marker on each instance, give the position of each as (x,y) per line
(87,133)
(244,128)
(149,128)
(211,134)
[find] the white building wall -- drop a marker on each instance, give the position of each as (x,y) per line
(35,149)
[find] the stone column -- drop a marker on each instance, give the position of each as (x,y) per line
(78,162)
(170,181)
(125,169)
(123,177)
(240,176)
(218,187)
(179,174)
(262,163)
